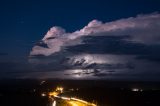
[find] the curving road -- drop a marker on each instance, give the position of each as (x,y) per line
(65,101)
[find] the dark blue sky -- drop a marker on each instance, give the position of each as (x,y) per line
(24,22)
(28,20)
(31,18)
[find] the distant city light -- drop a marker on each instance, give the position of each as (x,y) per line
(43,94)
(137,90)
(59,89)
(71,89)
(34,90)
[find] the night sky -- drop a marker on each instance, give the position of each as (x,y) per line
(123,44)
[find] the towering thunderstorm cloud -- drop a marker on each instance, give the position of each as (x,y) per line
(143,28)
(125,48)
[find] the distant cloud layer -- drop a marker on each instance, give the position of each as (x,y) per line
(125,48)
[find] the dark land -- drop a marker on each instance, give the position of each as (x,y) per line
(16,92)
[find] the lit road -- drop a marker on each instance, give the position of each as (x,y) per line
(71,102)
(54,103)
(67,101)
(76,103)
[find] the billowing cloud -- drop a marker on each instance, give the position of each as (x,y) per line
(125,48)
(143,29)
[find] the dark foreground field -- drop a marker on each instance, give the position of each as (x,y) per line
(103,93)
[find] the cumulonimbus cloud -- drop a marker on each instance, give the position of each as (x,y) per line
(142,28)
